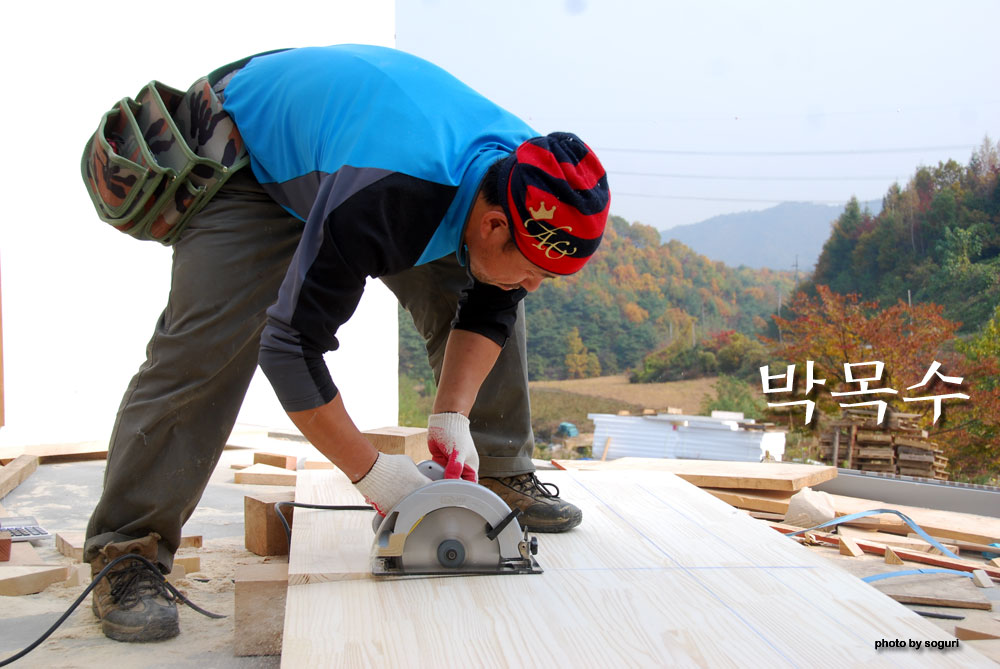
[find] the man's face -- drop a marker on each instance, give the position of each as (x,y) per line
(502,265)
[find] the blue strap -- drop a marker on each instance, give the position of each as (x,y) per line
(874,512)
(909,572)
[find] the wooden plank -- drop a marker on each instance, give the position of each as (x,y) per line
(948,526)
(265,475)
(6,542)
(259,616)
(732,584)
(770,501)
(940,600)
(325,555)
(902,553)
(15,581)
(913,542)
(13,474)
(276,460)
(718,473)
(55,453)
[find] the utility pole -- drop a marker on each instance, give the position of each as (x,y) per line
(796,269)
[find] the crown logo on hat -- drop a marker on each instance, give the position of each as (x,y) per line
(542,214)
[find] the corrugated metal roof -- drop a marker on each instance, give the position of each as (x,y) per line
(676,436)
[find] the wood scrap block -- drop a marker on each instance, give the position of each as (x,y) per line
(70,544)
(848,547)
(259,617)
(982,579)
(970,631)
(265,475)
(262,531)
(177,573)
(276,460)
(193,541)
(394,440)
(995,562)
(319,464)
(891,557)
(16,581)
(13,474)
(5,546)
(79,574)
(191,563)
(238,466)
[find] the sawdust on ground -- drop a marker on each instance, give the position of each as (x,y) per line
(79,641)
(684,395)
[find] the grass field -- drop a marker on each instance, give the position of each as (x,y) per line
(553,402)
(684,395)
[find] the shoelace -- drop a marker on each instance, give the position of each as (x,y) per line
(129,584)
(526,482)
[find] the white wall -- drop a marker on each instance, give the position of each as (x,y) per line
(79,298)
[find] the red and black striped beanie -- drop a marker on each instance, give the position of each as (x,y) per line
(555,193)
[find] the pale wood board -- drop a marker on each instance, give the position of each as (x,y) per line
(718,473)
(659,574)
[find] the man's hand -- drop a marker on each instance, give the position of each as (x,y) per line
(391,478)
(450,444)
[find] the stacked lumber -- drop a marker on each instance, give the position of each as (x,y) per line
(896,446)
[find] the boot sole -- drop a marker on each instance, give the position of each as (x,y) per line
(140,634)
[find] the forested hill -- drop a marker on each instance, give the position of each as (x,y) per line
(635,297)
(781,237)
(937,239)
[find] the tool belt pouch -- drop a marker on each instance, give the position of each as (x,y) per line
(156,160)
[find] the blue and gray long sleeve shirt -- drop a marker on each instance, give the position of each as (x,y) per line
(381,154)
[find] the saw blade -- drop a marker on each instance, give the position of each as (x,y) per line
(431,545)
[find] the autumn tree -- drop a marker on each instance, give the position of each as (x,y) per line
(835,329)
(580,363)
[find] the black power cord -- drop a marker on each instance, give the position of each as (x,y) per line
(278,506)
(131,556)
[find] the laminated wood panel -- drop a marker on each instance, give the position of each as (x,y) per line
(718,473)
(659,574)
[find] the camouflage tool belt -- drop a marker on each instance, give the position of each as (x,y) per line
(156,160)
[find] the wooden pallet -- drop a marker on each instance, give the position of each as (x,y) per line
(659,574)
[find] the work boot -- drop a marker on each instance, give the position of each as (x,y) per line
(541,508)
(132,601)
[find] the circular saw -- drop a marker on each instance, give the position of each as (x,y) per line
(452,527)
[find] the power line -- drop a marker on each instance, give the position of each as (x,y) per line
(834,152)
(719,177)
(731,199)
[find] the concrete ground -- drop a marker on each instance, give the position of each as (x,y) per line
(61,497)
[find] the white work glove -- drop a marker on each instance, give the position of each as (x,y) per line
(390,479)
(450,444)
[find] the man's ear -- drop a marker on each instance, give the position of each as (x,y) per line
(493,221)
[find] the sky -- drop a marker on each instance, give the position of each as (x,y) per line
(718,106)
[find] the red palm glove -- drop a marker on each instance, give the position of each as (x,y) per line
(450,444)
